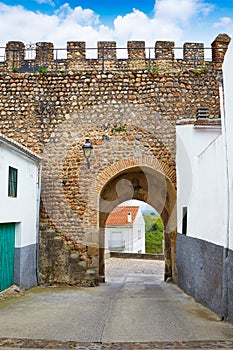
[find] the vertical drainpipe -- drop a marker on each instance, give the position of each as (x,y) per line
(38,222)
(226,243)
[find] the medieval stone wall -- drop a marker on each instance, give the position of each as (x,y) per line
(128,115)
(33,105)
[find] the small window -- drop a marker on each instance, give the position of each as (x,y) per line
(184,221)
(12,182)
(139,233)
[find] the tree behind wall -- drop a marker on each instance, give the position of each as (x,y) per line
(154,234)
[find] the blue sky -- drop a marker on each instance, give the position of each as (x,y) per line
(104,8)
(122,20)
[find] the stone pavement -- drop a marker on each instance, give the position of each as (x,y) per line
(10,344)
(134,310)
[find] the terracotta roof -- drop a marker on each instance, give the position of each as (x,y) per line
(119,216)
(19,147)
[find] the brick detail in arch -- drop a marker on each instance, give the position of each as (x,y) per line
(122,165)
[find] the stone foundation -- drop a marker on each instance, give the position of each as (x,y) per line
(61,265)
(201,274)
(25,271)
(230,285)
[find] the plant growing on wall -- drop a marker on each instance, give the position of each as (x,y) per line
(42,70)
(119,128)
(203,69)
(197,72)
(155,68)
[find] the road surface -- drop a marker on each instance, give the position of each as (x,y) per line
(134,305)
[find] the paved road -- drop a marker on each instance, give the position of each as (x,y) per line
(135,305)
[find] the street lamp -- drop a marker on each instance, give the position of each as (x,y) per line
(87,148)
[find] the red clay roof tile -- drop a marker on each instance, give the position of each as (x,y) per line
(119,216)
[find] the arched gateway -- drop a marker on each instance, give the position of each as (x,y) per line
(144,180)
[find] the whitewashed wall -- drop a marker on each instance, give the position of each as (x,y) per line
(227,117)
(129,235)
(201,182)
(208,205)
(22,209)
(139,224)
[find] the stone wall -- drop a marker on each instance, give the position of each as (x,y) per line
(207,262)
(129,117)
(33,105)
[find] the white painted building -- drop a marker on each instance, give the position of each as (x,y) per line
(205,202)
(125,230)
(227,116)
(19,214)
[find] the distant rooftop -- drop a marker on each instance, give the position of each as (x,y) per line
(119,216)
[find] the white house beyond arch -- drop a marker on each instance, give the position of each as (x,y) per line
(125,230)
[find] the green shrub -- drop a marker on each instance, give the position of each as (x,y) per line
(154,234)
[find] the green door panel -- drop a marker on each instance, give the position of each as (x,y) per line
(7,250)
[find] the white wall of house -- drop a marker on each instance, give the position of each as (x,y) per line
(132,236)
(208,205)
(139,234)
(227,117)
(201,182)
(22,209)
(119,238)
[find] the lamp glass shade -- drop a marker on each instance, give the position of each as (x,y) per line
(87,148)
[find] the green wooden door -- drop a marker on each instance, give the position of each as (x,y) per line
(7,249)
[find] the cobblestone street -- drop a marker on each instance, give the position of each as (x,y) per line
(133,310)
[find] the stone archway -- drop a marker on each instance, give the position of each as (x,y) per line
(147,184)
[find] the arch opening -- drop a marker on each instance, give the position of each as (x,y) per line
(145,184)
(134,227)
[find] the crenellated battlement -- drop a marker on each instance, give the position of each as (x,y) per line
(26,58)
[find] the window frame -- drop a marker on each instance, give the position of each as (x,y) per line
(12,182)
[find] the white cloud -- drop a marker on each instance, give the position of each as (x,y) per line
(180,10)
(19,24)
(66,24)
(138,26)
(77,15)
(49,2)
(169,22)
(223,22)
